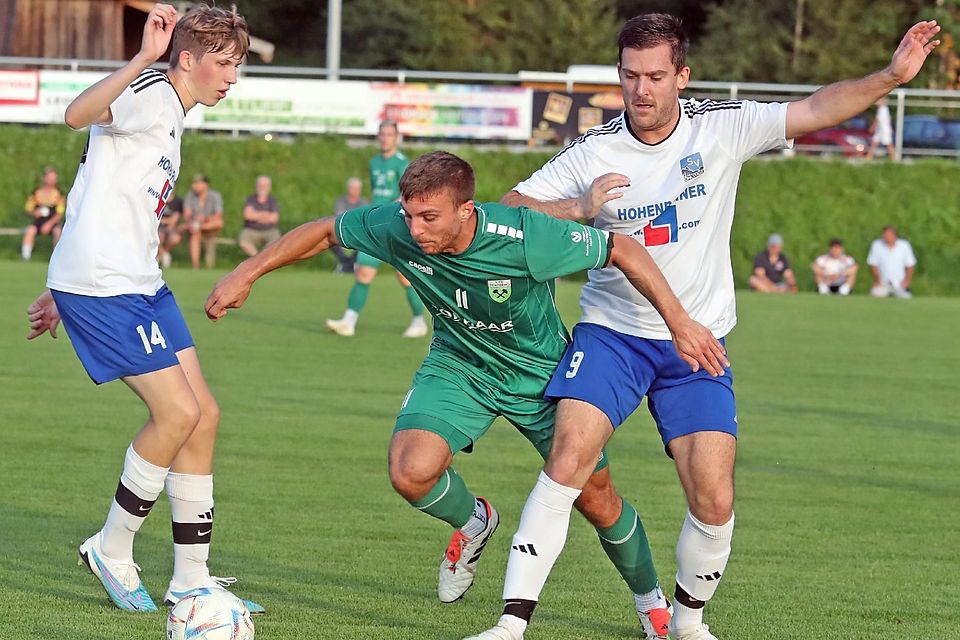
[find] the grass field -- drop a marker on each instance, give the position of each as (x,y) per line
(847,479)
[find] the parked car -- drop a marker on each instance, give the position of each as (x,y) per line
(851,138)
(930,132)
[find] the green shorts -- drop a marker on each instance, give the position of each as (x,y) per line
(459,406)
(365,260)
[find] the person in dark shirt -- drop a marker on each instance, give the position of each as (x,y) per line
(771,269)
(261,218)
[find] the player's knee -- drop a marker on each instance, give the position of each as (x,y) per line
(209,415)
(569,467)
(412,478)
(180,416)
(713,507)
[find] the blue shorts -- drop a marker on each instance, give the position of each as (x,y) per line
(614,371)
(127,335)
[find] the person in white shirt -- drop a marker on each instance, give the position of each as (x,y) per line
(835,271)
(664,172)
(892,261)
(123,322)
(882,129)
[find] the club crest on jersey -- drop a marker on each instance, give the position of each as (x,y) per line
(500,290)
(691,167)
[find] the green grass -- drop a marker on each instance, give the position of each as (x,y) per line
(847,477)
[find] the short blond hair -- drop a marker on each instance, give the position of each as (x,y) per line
(205,29)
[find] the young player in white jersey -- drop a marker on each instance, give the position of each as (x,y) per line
(665,172)
(122,319)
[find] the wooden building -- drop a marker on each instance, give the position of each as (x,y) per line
(82,29)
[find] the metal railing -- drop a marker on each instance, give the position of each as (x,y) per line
(902,99)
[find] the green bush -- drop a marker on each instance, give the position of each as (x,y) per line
(806,200)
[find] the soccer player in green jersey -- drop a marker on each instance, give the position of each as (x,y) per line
(486,272)
(385,171)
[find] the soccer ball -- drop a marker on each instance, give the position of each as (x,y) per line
(209,614)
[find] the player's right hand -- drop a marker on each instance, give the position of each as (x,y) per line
(601,192)
(43,316)
(230,293)
(157,31)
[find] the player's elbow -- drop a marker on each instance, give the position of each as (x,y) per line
(72,119)
(512,199)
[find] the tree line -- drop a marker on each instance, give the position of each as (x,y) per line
(786,41)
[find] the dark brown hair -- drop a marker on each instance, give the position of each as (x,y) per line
(205,29)
(435,172)
(651,29)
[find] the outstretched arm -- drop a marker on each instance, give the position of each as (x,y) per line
(837,102)
(93,105)
(305,241)
(584,207)
(693,341)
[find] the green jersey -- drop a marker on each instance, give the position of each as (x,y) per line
(493,304)
(385,177)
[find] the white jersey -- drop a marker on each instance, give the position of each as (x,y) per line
(679,205)
(127,174)
(834,267)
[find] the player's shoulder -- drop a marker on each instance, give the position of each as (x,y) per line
(151,82)
(400,157)
(500,221)
(705,111)
(593,139)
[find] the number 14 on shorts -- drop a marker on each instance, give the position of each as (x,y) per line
(156,337)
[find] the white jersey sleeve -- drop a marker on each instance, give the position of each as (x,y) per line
(136,110)
(563,176)
(752,128)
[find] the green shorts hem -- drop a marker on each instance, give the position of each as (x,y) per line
(456,439)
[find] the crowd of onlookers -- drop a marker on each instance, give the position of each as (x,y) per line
(198,219)
(891,261)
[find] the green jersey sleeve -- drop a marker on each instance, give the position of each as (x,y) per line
(369,229)
(556,248)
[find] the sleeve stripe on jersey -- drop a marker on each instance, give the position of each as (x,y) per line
(709,105)
(601,238)
(339,230)
(147,75)
(150,84)
(614,126)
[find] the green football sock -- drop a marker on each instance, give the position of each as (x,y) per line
(627,547)
(414,300)
(358,296)
(449,500)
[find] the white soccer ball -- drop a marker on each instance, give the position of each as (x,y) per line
(209,614)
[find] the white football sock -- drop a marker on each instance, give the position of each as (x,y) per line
(651,600)
(140,484)
(702,554)
(350,317)
(822,288)
(191,509)
(26,252)
(539,538)
(845,289)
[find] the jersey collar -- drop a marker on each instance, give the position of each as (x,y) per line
(663,143)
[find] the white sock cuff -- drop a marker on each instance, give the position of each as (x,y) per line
(554,494)
(714,532)
(189,487)
(141,476)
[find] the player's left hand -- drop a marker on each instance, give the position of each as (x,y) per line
(697,347)
(230,293)
(913,50)
(43,316)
